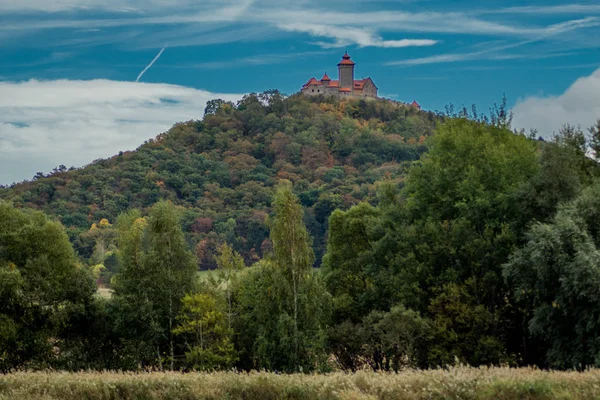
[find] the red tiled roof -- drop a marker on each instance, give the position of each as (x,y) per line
(360,83)
(346,60)
(415,104)
(334,84)
(311,82)
(345,89)
(325,78)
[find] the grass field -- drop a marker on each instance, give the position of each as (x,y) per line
(455,383)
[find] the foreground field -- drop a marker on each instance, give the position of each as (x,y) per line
(455,383)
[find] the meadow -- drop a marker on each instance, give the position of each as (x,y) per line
(453,383)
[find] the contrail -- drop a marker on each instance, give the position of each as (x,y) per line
(151,64)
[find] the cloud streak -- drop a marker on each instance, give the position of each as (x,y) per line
(256,60)
(344,36)
(122,6)
(548,10)
(151,64)
(495,52)
(343,28)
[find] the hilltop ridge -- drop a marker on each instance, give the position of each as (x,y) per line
(222,169)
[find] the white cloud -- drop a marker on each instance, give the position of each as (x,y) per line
(344,36)
(47,123)
(578,105)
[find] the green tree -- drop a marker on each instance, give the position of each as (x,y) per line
(212,106)
(464,329)
(555,278)
(292,251)
(137,320)
(42,286)
(173,264)
(461,227)
(564,171)
(267,335)
(283,305)
(208,337)
(396,339)
(229,264)
(452,226)
(471,172)
(158,270)
(349,251)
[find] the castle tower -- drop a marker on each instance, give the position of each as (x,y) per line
(346,72)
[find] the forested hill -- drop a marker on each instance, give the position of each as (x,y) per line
(223,169)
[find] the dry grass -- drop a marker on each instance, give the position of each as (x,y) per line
(455,383)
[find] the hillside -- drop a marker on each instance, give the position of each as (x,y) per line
(223,169)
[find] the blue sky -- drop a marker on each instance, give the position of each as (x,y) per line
(68,67)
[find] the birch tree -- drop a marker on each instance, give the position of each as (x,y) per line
(292,244)
(229,263)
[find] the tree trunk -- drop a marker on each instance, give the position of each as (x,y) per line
(160,365)
(295,284)
(229,302)
(171,347)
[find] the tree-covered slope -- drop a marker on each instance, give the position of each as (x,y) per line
(223,169)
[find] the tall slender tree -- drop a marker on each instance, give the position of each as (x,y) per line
(292,250)
(283,306)
(158,270)
(229,263)
(173,264)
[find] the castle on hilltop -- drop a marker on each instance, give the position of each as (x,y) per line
(346,86)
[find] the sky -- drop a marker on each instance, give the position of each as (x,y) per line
(84,79)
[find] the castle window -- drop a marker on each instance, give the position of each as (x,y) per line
(313,90)
(318,91)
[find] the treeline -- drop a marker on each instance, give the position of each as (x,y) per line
(161,314)
(486,255)
(223,169)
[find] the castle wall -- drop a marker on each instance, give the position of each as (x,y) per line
(319,90)
(369,90)
(312,91)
